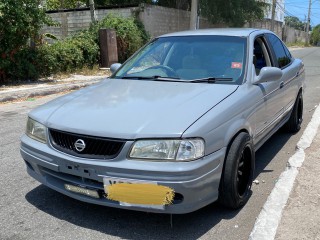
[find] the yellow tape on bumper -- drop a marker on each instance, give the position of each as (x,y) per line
(137,193)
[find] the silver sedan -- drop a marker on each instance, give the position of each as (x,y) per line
(175,127)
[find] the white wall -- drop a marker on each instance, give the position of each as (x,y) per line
(279,14)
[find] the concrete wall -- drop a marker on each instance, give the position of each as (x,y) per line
(266,24)
(287,34)
(161,20)
(72,21)
(157,21)
(291,35)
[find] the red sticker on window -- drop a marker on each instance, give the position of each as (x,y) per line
(236,65)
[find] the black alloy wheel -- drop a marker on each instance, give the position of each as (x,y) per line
(238,171)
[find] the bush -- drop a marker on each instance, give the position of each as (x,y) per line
(86,41)
(46,62)
(130,36)
(22,65)
(315,36)
(73,53)
(20,20)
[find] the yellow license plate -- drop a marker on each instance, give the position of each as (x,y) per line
(138,192)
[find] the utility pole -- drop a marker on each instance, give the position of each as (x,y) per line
(305,23)
(61,4)
(194,14)
(308,24)
(92,12)
(273,13)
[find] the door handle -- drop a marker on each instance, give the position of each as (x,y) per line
(281,85)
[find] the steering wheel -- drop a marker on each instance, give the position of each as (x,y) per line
(168,70)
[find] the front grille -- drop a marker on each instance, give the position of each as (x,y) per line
(95,147)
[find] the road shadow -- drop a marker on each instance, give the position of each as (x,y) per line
(269,150)
(127,224)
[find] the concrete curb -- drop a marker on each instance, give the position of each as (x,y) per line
(18,94)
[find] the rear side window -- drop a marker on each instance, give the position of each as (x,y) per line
(287,52)
(283,57)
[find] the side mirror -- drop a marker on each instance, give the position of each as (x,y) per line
(114,67)
(268,74)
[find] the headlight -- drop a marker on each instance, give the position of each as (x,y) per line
(36,130)
(168,150)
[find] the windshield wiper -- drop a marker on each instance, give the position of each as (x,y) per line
(176,79)
(211,80)
(154,78)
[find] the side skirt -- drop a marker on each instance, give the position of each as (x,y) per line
(273,131)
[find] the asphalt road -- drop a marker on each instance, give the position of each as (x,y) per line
(29,210)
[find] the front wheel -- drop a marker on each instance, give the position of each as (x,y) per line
(237,176)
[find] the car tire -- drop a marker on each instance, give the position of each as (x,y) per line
(237,176)
(293,125)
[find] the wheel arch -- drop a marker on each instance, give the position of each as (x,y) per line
(235,129)
(227,197)
(231,140)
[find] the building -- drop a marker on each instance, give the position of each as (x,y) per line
(279,13)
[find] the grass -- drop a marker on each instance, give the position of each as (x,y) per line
(86,71)
(298,44)
(58,78)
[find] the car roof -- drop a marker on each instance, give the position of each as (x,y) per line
(238,32)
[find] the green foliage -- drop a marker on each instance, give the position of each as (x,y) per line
(294,22)
(315,35)
(130,35)
(69,4)
(20,20)
(121,2)
(46,63)
(68,55)
(233,12)
(73,53)
(296,44)
(22,65)
(64,4)
(142,31)
(179,4)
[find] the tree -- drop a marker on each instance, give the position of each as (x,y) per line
(179,4)
(122,2)
(315,35)
(233,12)
(294,22)
(20,21)
(65,4)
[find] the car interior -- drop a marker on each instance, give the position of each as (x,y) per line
(261,57)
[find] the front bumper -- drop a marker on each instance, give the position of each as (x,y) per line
(195,183)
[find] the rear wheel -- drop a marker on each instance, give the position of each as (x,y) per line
(237,176)
(294,123)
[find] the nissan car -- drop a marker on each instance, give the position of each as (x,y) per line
(174,128)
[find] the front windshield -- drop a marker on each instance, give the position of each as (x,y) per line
(189,58)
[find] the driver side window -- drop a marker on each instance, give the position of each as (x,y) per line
(261,57)
(153,59)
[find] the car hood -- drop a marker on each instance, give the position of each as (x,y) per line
(130,109)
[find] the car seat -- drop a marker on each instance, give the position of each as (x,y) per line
(191,68)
